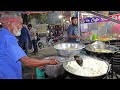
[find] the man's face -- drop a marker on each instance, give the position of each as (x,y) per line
(16,30)
(17,26)
(19,22)
(29,28)
(75,21)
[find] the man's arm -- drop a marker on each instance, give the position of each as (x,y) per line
(31,62)
(74,36)
(15,53)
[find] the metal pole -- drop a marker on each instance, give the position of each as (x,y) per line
(62,18)
(79,23)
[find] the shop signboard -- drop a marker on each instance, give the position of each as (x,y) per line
(92,20)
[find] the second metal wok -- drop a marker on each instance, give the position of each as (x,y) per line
(101,48)
(68,49)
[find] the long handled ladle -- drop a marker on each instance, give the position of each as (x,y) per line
(77,59)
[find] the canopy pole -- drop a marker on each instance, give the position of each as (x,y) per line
(79,23)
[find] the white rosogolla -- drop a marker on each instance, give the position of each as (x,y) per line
(91,67)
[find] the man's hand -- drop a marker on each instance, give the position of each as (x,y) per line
(81,38)
(74,36)
(78,36)
(53,62)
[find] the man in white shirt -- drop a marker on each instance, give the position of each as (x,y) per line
(33,38)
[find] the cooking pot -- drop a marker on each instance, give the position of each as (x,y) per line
(72,71)
(55,71)
(68,49)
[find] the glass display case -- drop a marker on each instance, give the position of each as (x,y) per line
(105,26)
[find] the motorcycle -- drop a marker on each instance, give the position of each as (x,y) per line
(39,43)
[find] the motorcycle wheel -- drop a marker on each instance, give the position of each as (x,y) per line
(40,45)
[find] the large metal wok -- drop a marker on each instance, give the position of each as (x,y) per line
(68,49)
(100,47)
(73,75)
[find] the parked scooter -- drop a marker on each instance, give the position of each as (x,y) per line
(39,43)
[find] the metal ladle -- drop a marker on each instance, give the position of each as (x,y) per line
(77,59)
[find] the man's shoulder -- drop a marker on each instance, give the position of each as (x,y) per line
(24,28)
(9,38)
(70,26)
(6,34)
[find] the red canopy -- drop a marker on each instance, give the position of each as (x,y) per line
(34,12)
(27,12)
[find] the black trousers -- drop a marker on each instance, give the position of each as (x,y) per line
(24,46)
(35,47)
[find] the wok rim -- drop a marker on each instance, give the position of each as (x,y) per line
(104,52)
(83,46)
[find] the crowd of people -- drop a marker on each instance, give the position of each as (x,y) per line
(56,32)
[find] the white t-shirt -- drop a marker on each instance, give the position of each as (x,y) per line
(33,35)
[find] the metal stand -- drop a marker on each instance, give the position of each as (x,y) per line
(114,61)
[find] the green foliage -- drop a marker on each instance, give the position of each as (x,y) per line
(41,18)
